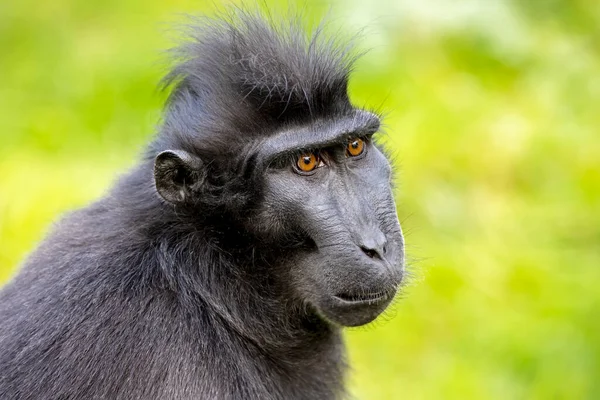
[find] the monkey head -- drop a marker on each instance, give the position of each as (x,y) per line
(261,138)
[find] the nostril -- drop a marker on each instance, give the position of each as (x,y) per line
(370,252)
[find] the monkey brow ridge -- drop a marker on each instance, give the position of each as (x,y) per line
(320,134)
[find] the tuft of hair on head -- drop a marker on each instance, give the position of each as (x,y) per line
(246,72)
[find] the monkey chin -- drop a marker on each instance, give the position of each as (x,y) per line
(350,311)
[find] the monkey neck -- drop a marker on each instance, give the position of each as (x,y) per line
(239,289)
(306,351)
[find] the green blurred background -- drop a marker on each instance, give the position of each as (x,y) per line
(493,117)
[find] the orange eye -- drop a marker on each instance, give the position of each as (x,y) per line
(355,147)
(307,162)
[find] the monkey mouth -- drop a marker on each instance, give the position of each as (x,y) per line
(356,307)
(363,298)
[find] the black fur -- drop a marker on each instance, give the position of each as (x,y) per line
(186,295)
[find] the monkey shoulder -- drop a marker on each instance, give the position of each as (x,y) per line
(83,319)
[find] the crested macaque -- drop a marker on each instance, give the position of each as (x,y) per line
(259,222)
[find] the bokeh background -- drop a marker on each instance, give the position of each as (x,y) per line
(492,115)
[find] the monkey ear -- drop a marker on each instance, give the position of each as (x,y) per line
(177,175)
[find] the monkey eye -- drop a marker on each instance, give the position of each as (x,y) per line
(308,162)
(356,147)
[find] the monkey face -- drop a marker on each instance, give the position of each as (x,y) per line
(338,199)
(321,205)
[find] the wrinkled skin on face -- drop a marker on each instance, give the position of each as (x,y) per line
(346,210)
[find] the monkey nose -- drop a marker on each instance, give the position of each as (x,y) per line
(373,244)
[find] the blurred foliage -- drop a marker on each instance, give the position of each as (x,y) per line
(492,117)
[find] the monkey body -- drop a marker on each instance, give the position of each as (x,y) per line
(259,222)
(94,325)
